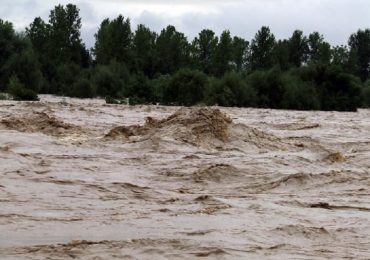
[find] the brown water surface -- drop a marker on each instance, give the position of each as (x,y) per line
(85,180)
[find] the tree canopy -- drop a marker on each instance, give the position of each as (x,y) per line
(301,72)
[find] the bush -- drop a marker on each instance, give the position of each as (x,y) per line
(232,90)
(366,95)
(337,90)
(299,94)
(83,89)
(67,76)
(269,87)
(105,82)
(19,91)
(139,91)
(21,61)
(110,100)
(3,96)
(158,87)
(111,80)
(186,87)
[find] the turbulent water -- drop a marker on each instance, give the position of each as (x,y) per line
(82,179)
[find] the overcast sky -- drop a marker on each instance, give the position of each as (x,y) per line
(336,19)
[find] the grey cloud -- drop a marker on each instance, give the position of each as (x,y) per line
(336,19)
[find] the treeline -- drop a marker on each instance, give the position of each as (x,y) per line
(302,72)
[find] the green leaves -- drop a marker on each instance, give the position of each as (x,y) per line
(171,51)
(186,87)
(262,48)
(301,72)
(19,91)
(360,49)
(114,41)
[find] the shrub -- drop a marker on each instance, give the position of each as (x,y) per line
(3,96)
(67,76)
(19,91)
(158,87)
(299,94)
(111,80)
(139,90)
(110,100)
(269,87)
(232,90)
(337,90)
(83,89)
(106,83)
(186,87)
(366,95)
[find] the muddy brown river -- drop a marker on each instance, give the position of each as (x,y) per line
(80,179)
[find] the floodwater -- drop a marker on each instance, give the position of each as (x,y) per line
(80,179)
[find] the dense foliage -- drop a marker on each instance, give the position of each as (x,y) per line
(302,72)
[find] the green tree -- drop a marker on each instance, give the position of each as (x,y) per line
(111,80)
(223,55)
(114,41)
(281,55)
(186,87)
(83,88)
(203,50)
(340,56)
(140,90)
(337,89)
(269,86)
(360,46)
(39,34)
(239,53)
(65,41)
(261,51)
(143,50)
(366,94)
(299,94)
(7,35)
(298,48)
(6,49)
(171,51)
(345,59)
(19,91)
(66,74)
(231,90)
(319,51)
(24,64)
(59,48)
(159,86)
(19,67)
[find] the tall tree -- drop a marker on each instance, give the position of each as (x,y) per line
(143,50)
(262,48)
(203,50)
(172,51)
(7,35)
(340,56)
(360,47)
(39,34)
(65,36)
(113,41)
(239,53)
(281,54)
(18,64)
(223,54)
(59,47)
(298,48)
(319,51)
(23,64)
